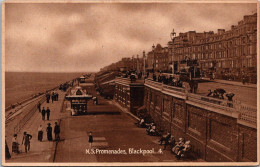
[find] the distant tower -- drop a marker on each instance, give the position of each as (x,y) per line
(144,63)
(137,65)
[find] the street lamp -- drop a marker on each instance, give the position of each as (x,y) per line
(173,36)
(153,56)
(137,64)
(144,63)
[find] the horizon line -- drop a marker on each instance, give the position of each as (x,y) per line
(55,71)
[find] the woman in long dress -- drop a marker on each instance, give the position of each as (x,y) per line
(49,132)
(15,145)
(40,133)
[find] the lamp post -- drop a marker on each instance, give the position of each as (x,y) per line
(133,63)
(153,57)
(137,64)
(144,63)
(173,36)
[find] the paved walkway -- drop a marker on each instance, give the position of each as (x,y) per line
(235,83)
(40,151)
(112,129)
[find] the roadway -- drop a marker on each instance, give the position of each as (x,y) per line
(247,95)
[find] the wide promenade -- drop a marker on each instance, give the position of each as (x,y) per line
(40,151)
(112,129)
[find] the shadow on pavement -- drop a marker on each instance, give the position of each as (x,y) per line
(104,113)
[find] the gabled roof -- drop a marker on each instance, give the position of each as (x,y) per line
(78,92)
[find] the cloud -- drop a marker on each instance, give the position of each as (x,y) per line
(71,37)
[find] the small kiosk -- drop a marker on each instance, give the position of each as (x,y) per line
(78,101)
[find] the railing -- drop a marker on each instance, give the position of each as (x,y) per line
(211,102)
(27,116)
(245,112)
(154,84)
(248,114)
(28,99)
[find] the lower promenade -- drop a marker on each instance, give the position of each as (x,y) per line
(218,132)
(39,151)
(112,127)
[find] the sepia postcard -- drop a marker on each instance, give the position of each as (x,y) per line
(130,83)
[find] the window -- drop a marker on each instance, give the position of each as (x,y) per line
(157,100)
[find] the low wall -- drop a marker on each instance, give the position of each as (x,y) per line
(216,132)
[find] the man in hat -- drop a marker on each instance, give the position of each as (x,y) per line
(26,139)
(230,99)
(47,97)
(39,106)
(49,132)
(48,113)
(57,131)
(43,113)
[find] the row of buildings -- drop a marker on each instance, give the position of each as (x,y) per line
(218,132)
(232,52)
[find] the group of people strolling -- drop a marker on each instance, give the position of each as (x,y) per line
(44,111)
(219,94)
(27,138)
(173,81)
(54,96)
(49,132)
(26,141)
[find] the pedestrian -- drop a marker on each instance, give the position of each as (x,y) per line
(196,85)
(57,96)
(210,92)
(90,140)
(15,145)
(40,133)
(230,99)
(167,138)
(52,97)
(57,131)
(47,97)
(49,132)
(43,113)
(26,140)
(39,106)
(48,113)
(7,153)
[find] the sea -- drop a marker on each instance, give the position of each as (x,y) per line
(22,85)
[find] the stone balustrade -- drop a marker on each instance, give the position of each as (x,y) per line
(236,109)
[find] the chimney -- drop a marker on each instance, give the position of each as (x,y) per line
(221,31)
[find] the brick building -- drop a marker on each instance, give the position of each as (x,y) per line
(233,51)
(158,59)
(129,94)
(125,64)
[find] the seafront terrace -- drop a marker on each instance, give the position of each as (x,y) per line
(245,113)
(217,130)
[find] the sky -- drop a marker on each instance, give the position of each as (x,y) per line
(84,37)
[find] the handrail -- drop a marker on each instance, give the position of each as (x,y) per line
(26,117)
